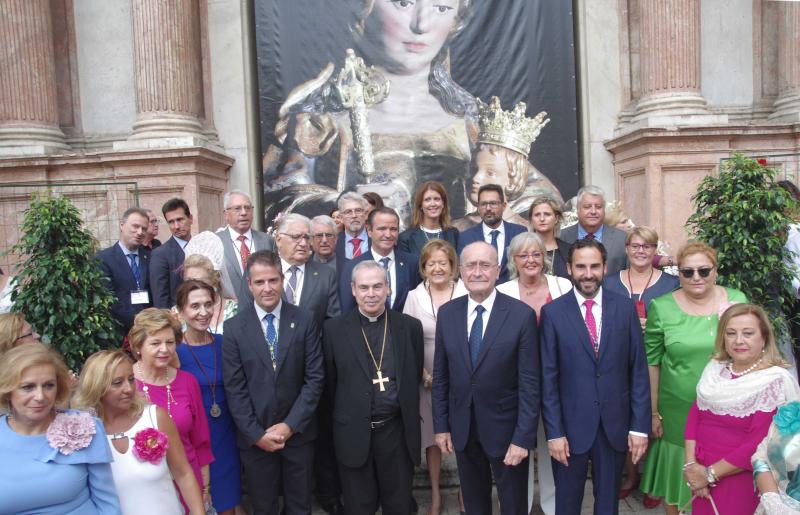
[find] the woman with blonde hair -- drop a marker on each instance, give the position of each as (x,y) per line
(15,330)
(54,461)
(147,449)
(153,340)
(740,390)
(545,216)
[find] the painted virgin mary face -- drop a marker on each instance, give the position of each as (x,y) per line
(412,32)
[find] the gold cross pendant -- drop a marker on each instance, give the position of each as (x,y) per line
(380,381)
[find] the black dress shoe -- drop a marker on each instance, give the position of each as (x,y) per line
(334,509)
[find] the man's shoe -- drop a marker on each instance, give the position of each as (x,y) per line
(334,509)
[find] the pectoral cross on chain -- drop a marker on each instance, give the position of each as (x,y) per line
(380,380)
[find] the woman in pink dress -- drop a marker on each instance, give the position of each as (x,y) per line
(153,338)
(740,390)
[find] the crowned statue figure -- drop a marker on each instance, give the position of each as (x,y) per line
(501,157)
(425,128)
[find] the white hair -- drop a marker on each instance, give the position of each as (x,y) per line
(594,191)
(366,265)
(325,220)
(226,199)
(291,218)
(351,196)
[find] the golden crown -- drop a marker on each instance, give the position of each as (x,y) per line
(508,129)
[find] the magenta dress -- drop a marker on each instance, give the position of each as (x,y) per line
(186,410)
(735,440)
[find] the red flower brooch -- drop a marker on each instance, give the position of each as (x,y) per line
(150,445)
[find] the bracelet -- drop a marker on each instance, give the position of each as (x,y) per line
(688,464)
(207,489)
(657,414)
(711,476)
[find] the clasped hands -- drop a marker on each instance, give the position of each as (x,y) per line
(514,455)
(275,437)
(696,477)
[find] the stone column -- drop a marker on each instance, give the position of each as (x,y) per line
(28,105)
(787,105)
(670,59)
(167,68)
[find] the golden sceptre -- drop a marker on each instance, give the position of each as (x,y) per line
(358,88)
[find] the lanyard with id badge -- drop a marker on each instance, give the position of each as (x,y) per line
(641,312)
(138,296)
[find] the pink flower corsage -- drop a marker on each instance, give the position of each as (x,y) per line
(724,307)
(150,445)
(70,432)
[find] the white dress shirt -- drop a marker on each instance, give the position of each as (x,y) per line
(501,238)
(487,304)
(236,244)
(261,313)
(392,272)
(301,274)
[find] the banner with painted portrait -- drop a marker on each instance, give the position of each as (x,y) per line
(436,60)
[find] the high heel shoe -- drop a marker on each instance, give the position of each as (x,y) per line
(650,502)
(625,492)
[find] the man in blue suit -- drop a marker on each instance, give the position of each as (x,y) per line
(402,269)
(493,229)
(486,387)
(126,266)
(595,386)
(167,260)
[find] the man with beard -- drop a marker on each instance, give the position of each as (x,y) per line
(493,229)
(595,386)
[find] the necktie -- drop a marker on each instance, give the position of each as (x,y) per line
(589,236)
(291,285)
(244,250)
(591,325)
(272,338)
(137,274)
(385,263)
(476,334)
(356,247)
(495,233)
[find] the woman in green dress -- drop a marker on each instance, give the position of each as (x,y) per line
(679,339)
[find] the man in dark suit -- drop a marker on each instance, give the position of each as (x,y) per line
(273,370)
(402,269)
(595,386)
(240,240)
(150,238)
(486,386)
(493,229)
(312,286)
(126,265)
(166,262)
(354,240)
(591,209)
(373,368)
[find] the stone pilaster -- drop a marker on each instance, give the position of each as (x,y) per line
(167,68)
(670,59)
(28,105)
(787,105)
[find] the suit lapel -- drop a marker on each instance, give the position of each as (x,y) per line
(497,318)
(231,256)
(144,267)
(310,285)
(398,346)
(254,334)
(286,333)
(124,264)
(355,339)
(607,317)
(401,281)
(579,325)
(463,317)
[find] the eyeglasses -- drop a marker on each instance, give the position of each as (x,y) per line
(297,237)
(641,246)
(703,272)
(323,235)
(532,255)
(22,337)
(351,212)
(484,266)
(490,203)
(238,209)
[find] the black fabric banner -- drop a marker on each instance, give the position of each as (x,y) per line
(439,56)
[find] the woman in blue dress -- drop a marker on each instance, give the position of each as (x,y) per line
(54,461)
(200,354)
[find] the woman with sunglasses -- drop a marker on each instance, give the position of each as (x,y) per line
(14,331)
(679,338)
(640,282)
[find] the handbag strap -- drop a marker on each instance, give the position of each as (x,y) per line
(710,498)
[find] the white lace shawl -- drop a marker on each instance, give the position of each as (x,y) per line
(763,390)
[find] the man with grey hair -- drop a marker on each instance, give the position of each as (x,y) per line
(354,241)
(126,265)
(239,240)
(591,209)
(373,368)
(324,237)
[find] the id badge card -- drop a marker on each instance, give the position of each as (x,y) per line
(140,297)
(640,311)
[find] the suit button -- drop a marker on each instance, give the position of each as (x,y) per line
(596,403)
(598,375)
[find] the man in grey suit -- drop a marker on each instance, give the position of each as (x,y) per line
(240,240)
(591,207)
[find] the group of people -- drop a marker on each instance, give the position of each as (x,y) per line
(315,362)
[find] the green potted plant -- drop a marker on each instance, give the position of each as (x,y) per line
(61,291)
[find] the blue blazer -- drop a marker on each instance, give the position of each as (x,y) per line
(579,391)
(406,268)
(475,233)
(165,273)
(504,385)
(117,269)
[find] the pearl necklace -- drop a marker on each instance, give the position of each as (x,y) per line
(747,370)
(146,389)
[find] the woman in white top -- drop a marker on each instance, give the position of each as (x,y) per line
(147,449)
(530,284)
(439,270)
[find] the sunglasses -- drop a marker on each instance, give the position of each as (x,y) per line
(688,273)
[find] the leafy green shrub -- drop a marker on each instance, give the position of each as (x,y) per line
(62,291)
(745,215)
